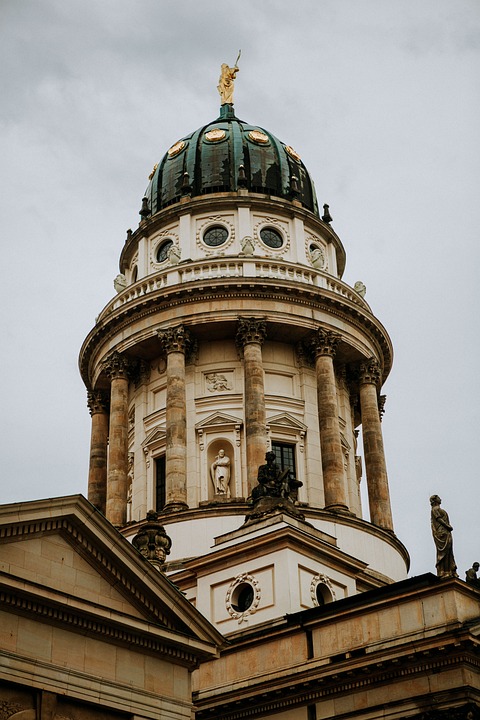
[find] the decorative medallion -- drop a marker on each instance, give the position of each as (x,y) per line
(153,171)
(176,149)
(215,135)
(292,153)
(317,580)
(258,137)
(243,597)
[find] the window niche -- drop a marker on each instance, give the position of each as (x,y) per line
(219,439)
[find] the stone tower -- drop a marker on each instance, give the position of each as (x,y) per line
(233,334)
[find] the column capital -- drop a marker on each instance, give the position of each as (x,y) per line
(324,342)
(370,372)
(97,401)
(141,372)
(116,366)
(251,330)
(175,339)
(382,399)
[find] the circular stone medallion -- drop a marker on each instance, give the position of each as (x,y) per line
(215,135)
(176,149)
(292,153)
(258,137)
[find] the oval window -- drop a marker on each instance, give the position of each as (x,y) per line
(162,252)
(215,236)
(242,597)
(271,237)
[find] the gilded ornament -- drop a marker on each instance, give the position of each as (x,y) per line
(215,135)
(176,149)
(258,137)
(293,153)
(153,171)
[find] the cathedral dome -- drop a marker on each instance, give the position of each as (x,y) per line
(227,155)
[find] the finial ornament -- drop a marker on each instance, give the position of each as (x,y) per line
(226,81)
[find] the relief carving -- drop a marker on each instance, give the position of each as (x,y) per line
(216,382)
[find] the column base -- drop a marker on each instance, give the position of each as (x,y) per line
(340,509)
(174,507)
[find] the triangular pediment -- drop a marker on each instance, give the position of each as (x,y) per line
(157,435)
(218,419)
(73,566)
(286,420)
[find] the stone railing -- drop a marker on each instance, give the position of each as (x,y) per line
(245,268)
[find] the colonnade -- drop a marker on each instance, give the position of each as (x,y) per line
(108,488)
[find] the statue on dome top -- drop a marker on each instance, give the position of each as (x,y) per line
(226,82)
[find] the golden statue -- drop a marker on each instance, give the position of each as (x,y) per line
(226,82)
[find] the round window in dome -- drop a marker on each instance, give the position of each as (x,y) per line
(271,237)
(242,597)
(215,235)
(162,251)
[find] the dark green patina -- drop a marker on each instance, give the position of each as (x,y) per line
(204,167)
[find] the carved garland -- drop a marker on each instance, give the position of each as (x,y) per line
(257,594)
(317,580)
(213,220)
(282,227)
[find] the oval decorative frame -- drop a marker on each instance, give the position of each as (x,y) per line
(317,580)
(176,148)
(257,594)
(277,225)
(215,135)
(203,226)
(159,240)
(258,137)
(293,153)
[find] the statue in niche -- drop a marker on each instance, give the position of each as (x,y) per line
(442,537)
(216,382)
(276,491)
(471,575)
(220,474)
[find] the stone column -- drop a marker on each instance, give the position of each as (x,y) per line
(175,342)
(375,466)
(251,333)
(325,345)
(97,472)
(116,368)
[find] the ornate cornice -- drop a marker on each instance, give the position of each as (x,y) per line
(344,676)
(370,372)
(97,401)
(166,300)
(250,330)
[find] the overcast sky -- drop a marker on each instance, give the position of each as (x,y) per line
(379,97)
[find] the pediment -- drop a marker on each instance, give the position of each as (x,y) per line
(157,435)
(73,566)
(218,419)
(286,420)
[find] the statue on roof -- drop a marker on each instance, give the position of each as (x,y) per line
(226,82)
(442,537)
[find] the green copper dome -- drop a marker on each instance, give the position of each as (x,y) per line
(224,156)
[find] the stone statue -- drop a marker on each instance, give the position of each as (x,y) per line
(318,258)
(220,474)
(471,575)
(174,254)
(274,482)
(120,283)
(360,288)
(442,537)
(248,245)
(226,83)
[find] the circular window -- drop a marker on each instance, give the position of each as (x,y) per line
(215,236)
(162,252)
(242,597)
(271,237)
